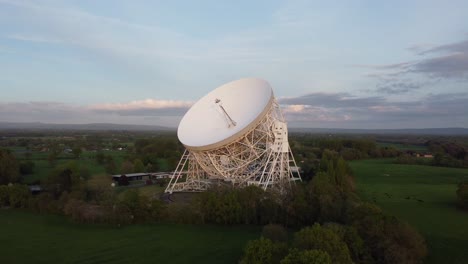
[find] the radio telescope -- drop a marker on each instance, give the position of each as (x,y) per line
(235,134)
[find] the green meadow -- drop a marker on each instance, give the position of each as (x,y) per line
(425,197)
(32,238)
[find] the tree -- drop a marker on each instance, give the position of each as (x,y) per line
(276,233)
(14,195)
(326,198)
(100,187)
(138,166)
(76,152)
(358,251)
(263,251)
(320,238)
(314,256)
(9,172)
(462,195)
(110,166)
(152,167)
(18,195)
(26,167)
(52,158)
(388,239)
(4,195)
(100,158)
(127,167)
(63,178)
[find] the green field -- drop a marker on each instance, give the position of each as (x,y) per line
(424,196)
(31,238)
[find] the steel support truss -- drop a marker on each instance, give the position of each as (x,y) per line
(260,157)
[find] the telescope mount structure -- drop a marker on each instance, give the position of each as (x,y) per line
(235,135)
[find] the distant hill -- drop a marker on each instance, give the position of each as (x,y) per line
(121,127)
(410,131)
(89,127)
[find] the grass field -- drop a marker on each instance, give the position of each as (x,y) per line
(32,238)
(424,196)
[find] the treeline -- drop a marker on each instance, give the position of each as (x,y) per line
(446,153)
(150,150)
(348,148)
(85,201)
(145,155)
(449,153)
(311,152)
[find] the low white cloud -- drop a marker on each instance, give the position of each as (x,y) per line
(35,38)
(149,112)
(312,110)
(142,104)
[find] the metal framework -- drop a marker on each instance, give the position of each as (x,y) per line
(261,157)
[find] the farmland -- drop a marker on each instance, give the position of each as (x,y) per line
(424,196)
(32,238)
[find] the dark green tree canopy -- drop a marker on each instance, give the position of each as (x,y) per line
(9,171)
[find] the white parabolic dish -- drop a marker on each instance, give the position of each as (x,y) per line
(205,126)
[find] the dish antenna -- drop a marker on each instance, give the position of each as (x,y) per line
(252,150)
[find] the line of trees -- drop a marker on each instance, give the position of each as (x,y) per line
(309,151)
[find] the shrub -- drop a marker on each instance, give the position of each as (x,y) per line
(276,233)
(320,238)
(296,256)
(462,195)
(263,251)
(388,239)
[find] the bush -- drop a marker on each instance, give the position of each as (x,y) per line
(4,195)
(357,248)
(275,233)
(263,251)
(462,195)
(44,203)
(26,167)
(320,238)
(296,256)
(8,167)
(19,195)
(388,239)
(16,195)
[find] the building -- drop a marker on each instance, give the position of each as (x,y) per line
(141,176)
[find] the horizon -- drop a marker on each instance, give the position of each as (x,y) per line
(355,65)
(175,127)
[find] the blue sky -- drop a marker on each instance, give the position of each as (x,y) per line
(344,64)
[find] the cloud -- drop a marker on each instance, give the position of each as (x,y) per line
(461,47)
(448,61)
(397,86)
(332,100)
(149,111)
(296,114)
(450,66)
(346,111)
(326,110)
(35,38)
(146,107)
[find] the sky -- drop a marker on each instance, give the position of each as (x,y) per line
(332,64)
